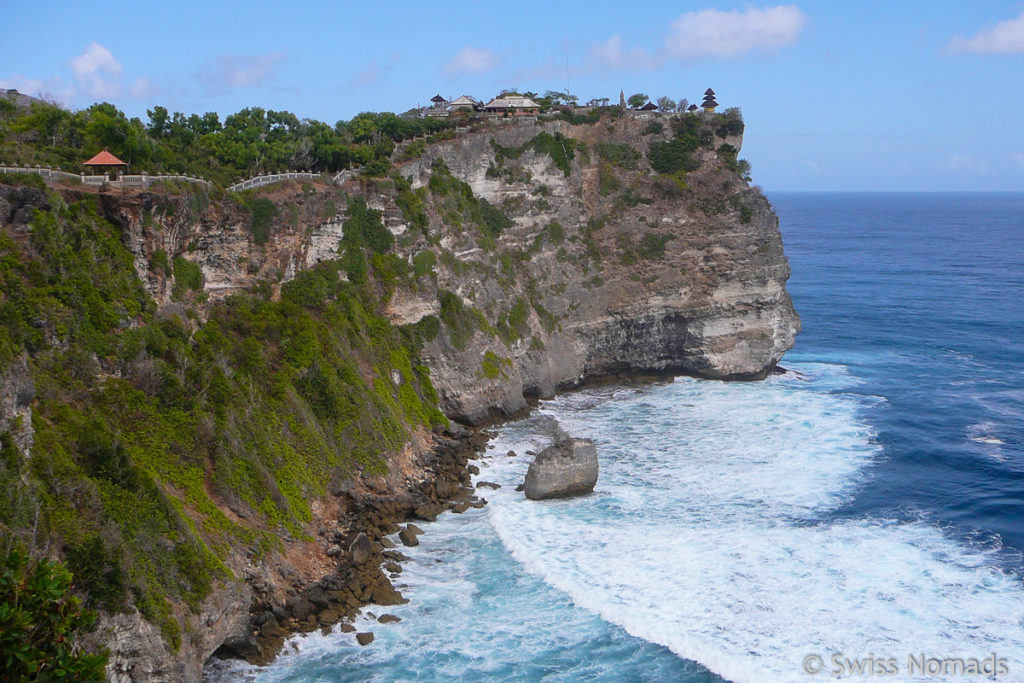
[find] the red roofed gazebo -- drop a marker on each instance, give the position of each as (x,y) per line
(105,161)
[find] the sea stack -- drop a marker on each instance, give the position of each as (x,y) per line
(567,468)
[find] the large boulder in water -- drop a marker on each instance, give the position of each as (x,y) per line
(568,468)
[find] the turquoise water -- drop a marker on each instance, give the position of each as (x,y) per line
(865,506)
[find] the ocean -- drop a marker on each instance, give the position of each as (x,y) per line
(860,517)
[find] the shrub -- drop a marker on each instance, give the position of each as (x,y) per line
(41,623)
(378,168)
(607,183)
(24,179)
(264,211)
(423,263)
(618,155)
(652,245)
(158,262)
(364,228)
(188,276)
(653,128)
(413,150)
(494,366)
(560,148)
(458,318)
(494,221)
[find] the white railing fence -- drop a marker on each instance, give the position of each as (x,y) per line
(261,180)
(141,180)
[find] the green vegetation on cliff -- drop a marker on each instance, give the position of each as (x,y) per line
(162,444)
(244,144)
(675,157)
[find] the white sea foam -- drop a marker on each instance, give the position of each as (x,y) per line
(709,533)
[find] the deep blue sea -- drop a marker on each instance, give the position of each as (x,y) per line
(866,507)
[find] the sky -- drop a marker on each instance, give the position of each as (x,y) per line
(844,96)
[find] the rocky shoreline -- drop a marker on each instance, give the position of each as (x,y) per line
(367,561)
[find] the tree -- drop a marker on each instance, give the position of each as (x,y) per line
(683,104)
(40,624)
(666,104)
(50,122)
(636,101)
(159,121)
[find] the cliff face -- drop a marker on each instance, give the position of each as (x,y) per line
(609,268)
(523,258)
(649,277)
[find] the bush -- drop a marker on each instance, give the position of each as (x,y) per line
(494,221)
(653,128)
(188,276)
(413,150)
(423,263)
(264,211)
(378,168)
(607,183)
(672,156)
(41,623)
(158,262)
(364,228)
(560,148)
(494,366)
(24,179)
(618,155)
(652,246)
(458,318)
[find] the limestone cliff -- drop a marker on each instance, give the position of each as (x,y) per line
(524,257)
(605,266)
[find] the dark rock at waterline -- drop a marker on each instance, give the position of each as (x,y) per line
(385,594)
(364,638)
(388,619)
(428,512)
(408,537)
(568,468)
(413,528)
(361,549)
(487,485)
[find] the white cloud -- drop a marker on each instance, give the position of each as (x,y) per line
(231,72)
(373,73)
(472,60)
(708,33)
(965,164)
(613,55)
(1003,37)
(713,33)
(97,73)
(142,88)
